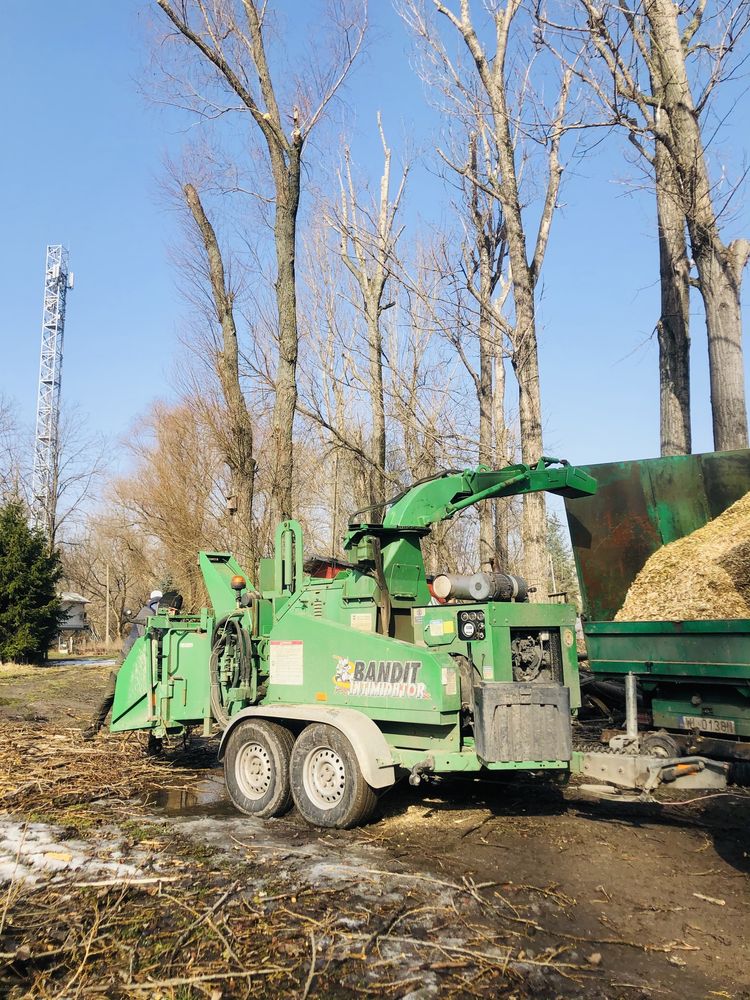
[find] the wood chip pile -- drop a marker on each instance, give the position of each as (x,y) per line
(703,576)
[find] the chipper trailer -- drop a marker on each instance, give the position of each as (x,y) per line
(328,691)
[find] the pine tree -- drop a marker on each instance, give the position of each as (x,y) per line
(30,612)
(562,566)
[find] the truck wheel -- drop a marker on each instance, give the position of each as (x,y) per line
(256,767)
(328,786)
(660,744)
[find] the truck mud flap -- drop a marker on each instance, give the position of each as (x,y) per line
(522,722)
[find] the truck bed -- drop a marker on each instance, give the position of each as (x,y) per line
(717,650)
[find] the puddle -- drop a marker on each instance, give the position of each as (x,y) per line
(108,662)
(206,797)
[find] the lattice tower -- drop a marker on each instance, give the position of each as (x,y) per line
(57,282)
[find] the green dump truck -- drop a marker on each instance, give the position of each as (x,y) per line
(692,677)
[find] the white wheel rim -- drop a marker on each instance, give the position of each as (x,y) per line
(324,777)
(253,770)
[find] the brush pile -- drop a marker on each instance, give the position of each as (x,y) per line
(703,576)
(42,770)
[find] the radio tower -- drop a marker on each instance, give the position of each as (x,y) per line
(57,281)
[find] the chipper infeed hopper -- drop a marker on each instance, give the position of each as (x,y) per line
(693,677)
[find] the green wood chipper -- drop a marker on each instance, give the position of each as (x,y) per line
(329,690)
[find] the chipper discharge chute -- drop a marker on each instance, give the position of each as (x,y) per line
(328,690)
(682,659)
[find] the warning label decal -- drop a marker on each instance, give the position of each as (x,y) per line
(286,665)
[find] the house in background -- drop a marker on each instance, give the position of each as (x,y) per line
(75,625)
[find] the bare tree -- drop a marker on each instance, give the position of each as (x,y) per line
(719,266)
(368,241)
(334,395)
(478,289)
(80,467)
(110,549)
(487,85)
(230,37)
(658,67)
(11,470)
(673,326)
(484,261)
(428,410)
(238,436)
(175,493)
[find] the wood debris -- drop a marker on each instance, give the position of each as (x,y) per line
(701,577)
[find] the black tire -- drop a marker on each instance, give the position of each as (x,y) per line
(328,786)
(660,744)
(256,767)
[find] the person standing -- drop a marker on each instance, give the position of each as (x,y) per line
(137,629)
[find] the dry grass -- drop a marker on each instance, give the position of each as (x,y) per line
(704,576)
(9,671)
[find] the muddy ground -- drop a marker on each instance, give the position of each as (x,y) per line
(120,876)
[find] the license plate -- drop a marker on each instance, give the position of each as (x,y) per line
(708,725)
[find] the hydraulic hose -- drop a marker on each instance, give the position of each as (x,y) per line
(228,629)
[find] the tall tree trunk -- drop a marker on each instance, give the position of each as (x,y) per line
(242,64)
(524,272)
(672,329)
(501,122)
(534,516)
(484,255)
(720,273)
(484,394)
(378,445)
(287,181)
(238,443)
(502,457)
(525,361)
(719,266)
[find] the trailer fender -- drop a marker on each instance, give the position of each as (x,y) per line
(373,753)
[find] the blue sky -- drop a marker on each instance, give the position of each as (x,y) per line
(83,162)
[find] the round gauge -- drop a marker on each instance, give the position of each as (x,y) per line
(469,630)
(568,637)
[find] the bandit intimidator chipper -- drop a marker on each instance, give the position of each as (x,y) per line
(330,690)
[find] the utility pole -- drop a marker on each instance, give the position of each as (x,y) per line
(106,625)
(58,280)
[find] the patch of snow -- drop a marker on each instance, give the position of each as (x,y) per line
(430,989)
(30,851)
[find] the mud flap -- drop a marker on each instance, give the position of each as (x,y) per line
(516,722)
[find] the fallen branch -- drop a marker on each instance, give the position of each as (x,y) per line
(311,973)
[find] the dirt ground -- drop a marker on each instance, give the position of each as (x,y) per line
(121,876)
